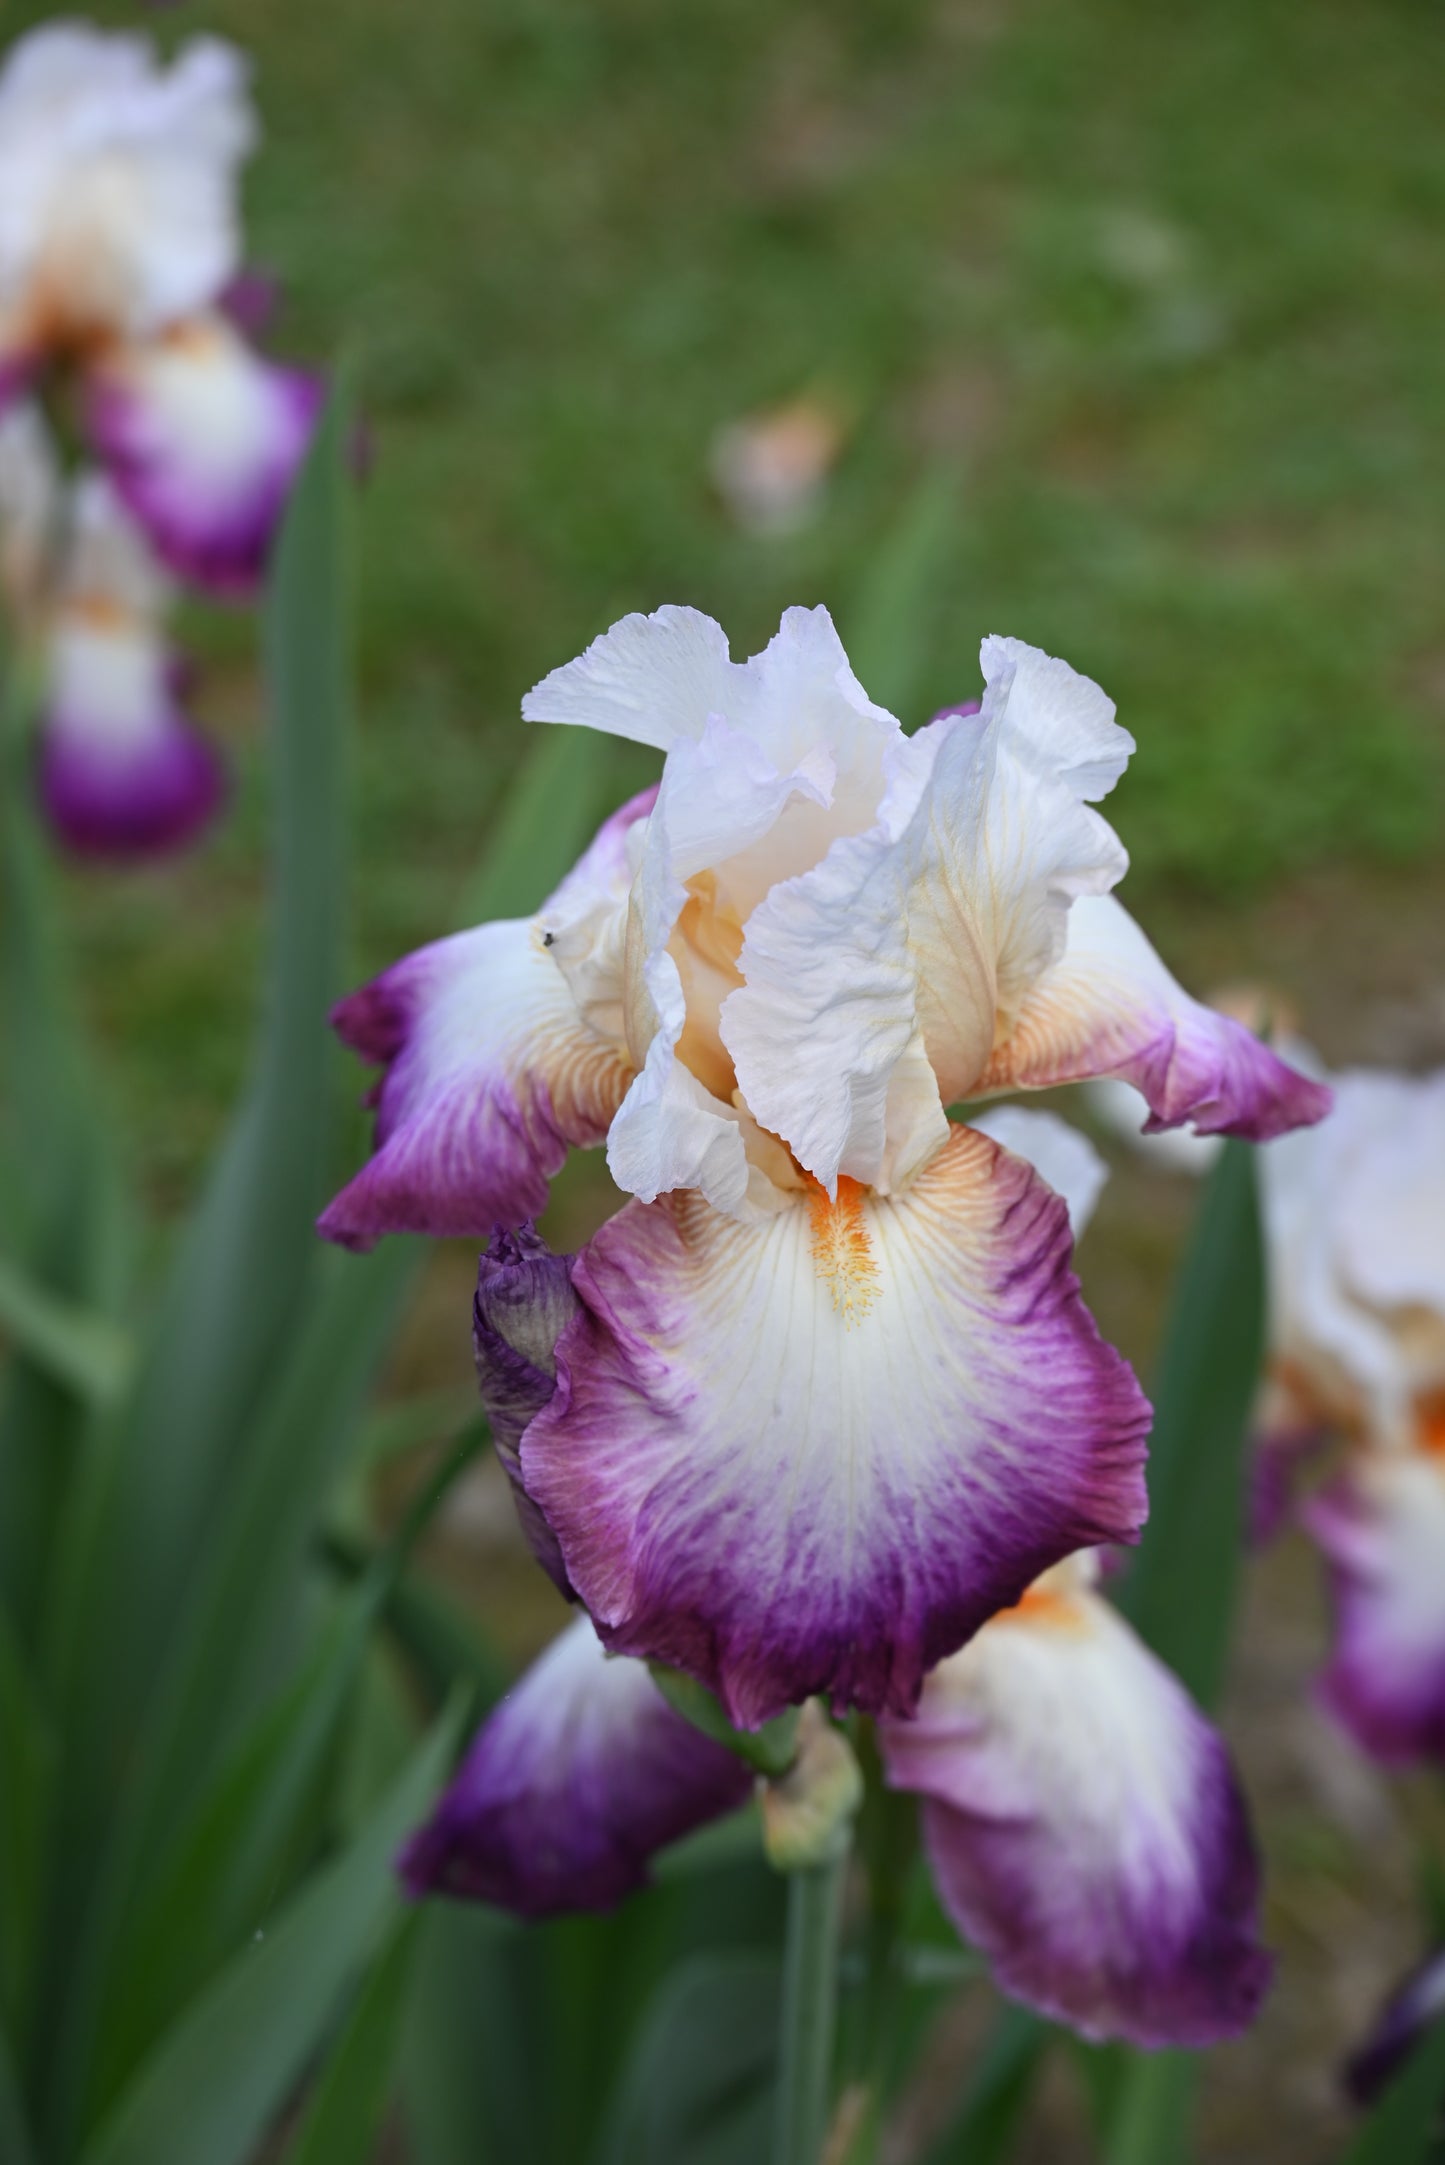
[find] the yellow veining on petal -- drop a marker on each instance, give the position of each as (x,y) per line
(842,1250)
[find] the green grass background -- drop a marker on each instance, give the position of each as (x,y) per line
(1165,289)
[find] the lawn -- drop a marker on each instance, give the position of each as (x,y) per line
(1160,296)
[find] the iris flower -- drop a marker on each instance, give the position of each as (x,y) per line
(1355,1219)
(119,238)
(830,1396)
(122,771)
(1082,1821)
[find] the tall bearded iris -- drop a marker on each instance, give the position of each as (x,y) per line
(1355,1218)
(829,1396)
(119,236)
(1083,1823)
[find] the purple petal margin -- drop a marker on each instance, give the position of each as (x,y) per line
(575,1782)
(131,804)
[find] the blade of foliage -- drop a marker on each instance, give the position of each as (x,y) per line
(16,2147)
(254,1564)
(242,1272)
(218,2080)
(550,814)
(443,1646)
(1180,1592)
(27,1767)
(698,2088)
(997,2097)
(1405,2123)
(887,628)
(474,2050)
(88,1354)
(1155,2108)
(344,2116)
(248,1831)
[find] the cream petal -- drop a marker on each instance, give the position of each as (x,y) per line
(1109,1006)
(911,941)
(1084,1825)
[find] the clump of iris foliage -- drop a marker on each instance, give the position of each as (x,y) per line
(204,1953)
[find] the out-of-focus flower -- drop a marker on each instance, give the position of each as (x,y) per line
(576,1780)
(1355,1224)
(122,771)
(31,496)
(1084,1825)
(119,240)
(771,468)
(831,1397)
(1411,2010)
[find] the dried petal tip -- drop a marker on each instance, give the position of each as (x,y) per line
(524,1303)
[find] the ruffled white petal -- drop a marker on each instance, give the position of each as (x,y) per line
(919,939)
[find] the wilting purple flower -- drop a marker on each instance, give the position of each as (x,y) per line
(119,242)
(122,772)
(576,1780)
(1354,1215)
(831,1396)
(1411,2010)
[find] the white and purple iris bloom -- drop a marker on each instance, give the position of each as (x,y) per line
(1355,1222)
(122,771)
(119,243)
(830,1396)
(1083,1823)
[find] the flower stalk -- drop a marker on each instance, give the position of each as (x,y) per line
(810,2006)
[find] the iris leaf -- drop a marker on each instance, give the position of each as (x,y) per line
(698,2087)
(1180,1593)
(344,2114)
(997,2096)
(216,2083)
(88,1354)
(1403,2125)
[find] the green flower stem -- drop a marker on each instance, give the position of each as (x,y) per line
(810,2005)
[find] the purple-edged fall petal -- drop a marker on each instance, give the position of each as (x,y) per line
(813,1453)
(1412,2009)
(573,1784)
(1108,1006)
(496,1059)
(1084,1825)
(203,437)
(1381,1525)
(122,772)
